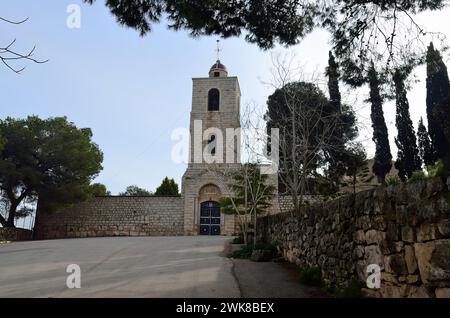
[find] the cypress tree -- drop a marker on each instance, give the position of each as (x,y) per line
(408,159)
(333,83)
(444,120)
(438,90)
(426,149)
(336,153)
(383,158)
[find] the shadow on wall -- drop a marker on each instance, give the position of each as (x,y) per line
(404,229)
(15,234)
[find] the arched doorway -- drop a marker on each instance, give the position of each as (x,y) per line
(209,218)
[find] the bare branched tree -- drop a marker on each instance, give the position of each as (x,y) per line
(306,124)
(8,55)
(249,190)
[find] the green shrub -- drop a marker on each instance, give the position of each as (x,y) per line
(391,179)
(440,169)
(265,246)
(325,187)
(352,291)
(311,276)
(337,196)
(244,252)
(247,250)
(418,175)
(238,240)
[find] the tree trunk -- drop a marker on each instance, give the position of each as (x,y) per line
(12,215)
(36,217)
(244,232)
(254,228)
(382,180)
(2,221)
(245,235)
(295,201)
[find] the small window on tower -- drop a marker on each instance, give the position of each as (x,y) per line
(216,74)
(212,144)
(213,99)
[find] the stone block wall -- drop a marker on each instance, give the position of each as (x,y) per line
(285,201)
(15,234)
(114,216)
(405,229)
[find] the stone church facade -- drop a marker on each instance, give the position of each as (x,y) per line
(214,134)
(215,111)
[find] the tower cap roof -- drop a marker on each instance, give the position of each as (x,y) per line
(218,66)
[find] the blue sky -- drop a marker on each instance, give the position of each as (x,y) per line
(133,92)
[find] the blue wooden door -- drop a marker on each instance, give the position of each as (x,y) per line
(209,218)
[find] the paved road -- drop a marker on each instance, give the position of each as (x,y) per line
(184,267)
(119,267)
(271,280)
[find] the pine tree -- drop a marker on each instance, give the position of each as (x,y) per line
(408,159)
(168,187)
(383,158)
(438,90)
(426,149)
(135,191)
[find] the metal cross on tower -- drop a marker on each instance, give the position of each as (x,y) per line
(218,50)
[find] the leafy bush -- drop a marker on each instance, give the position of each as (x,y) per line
(265,246)
(311,276)
(246,251)
(440,169)
(238,240)
(335,196)
(352,291)
(392,179)
(418,175)
(325,187)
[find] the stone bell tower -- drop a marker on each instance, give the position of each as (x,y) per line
(214,148)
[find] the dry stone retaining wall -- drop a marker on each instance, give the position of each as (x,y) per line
(405,229)
(285,201)
(14,234)
(114,216)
